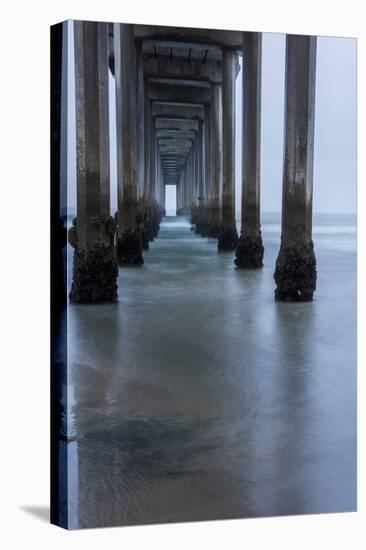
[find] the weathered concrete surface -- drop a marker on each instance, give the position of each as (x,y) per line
(94,277)
(295,273)
(190,112)
(140,105)
(129,249)
(202,38)
(249,253)
(164,67)
(147,194)
(177,126)
(95,272)
(216,160)
(179,94)
(228,236)
(203,219)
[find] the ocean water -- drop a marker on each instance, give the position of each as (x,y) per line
(198,397)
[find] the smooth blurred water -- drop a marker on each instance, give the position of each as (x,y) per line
(198,397)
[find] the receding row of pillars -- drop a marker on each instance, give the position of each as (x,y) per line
(162,139)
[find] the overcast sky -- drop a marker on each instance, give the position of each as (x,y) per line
(335,126)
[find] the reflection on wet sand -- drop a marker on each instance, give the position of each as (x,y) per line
(197,397)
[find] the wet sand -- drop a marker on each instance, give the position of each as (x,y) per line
(198,397)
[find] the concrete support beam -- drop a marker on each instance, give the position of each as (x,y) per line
(249,252)
(179,94)
(129,249)
(179,193)
(163,67)
(153,161)
(205,213)
(216,160)
(145,203)
(174,134)
(143,152)
(228,235)
(148,194)
(178,110)
(182,36)
(182,190)
(158,178)
(295,273)
(147,146)
(172,124)
(200,144)
(186,201)
(140,103)
(197,170)
(180,82)
(92,235)
(207,157)
(193,180)
(200,215)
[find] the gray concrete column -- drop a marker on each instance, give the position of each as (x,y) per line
(190,179)
(129,249)
(216,158)
(201,192)
(144,155)
(295,273)
(159,180)
(155,209)
(249,252)
(147,146)
(179,192)
(140,121)
(92,235)
(207,173)
(153,147)
(200,185)
(147,234)
(182,187)
(156,168)
(193,176)
(195,180)
(207,155)
(186,187)
(197,168)
(228,235)
(202,221)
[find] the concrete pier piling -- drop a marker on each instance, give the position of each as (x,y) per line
(216,159)
(295,273)
(249,252)
(228,235)
(129,249)
(175,125)
(92,234)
